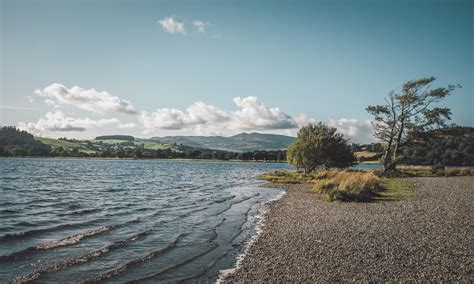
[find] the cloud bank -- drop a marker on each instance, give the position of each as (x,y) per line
(90,100)
(252,115)
(58,121)
(199,118)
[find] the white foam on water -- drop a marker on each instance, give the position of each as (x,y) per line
(259,224)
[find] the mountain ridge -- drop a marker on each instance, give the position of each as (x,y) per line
(242,142)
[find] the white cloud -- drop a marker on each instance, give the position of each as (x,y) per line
(203,118)
(302,120)
(57,121)
(30,99)
(172,26)
(254,115)
(359,131)
(127,125)
(91,100)
(201,113)
(200,25)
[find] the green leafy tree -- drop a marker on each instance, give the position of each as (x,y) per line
(320,145)
(408,112)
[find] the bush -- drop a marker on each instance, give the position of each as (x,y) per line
(348,186)
(319,145)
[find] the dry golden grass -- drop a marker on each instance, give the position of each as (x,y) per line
(363,185)
(428,171)
(333,185)
(347,186)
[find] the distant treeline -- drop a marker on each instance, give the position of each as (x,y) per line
(115,137)
(373,147)
(376,148)
(16,143)
(450,146)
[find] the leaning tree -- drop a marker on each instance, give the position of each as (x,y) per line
(406,113)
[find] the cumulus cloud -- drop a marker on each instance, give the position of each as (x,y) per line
(302,120)
(198,113)
(200,25)
(359,131)
(30,99)
(203,118)
(99,102)
(172,26)
(58,121)
(254,115)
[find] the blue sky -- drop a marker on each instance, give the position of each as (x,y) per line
(325,59)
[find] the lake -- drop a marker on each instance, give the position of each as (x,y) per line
(78,220)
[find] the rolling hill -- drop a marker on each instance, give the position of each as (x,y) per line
(97,145)
(242,142)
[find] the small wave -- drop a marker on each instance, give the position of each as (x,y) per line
(135,262)
(30,233)
(8,211)
(234,203)
(178,265)
(223,210)
(80,259)
(224,199)
(187,214)
(74,239)
(80,212)
(241,230)
(71,240)
(259,229)
(246,198)
(25,224)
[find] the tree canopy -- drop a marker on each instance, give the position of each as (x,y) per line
(320,145)
(408,112)
(14,142)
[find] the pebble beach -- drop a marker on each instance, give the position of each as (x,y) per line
(427,237)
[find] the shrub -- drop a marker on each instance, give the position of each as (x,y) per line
(347,186)
(319,145)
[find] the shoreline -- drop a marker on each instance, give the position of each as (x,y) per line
(146,159)
(263,211)
(422,238)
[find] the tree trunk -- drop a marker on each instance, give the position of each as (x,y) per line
(387,156)
(397,143)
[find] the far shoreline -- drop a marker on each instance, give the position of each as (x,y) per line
(143,159)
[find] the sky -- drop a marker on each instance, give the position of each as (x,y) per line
(154,68)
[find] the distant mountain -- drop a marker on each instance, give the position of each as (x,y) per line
(115,137)
(242,142)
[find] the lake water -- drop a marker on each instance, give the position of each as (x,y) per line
(67,220)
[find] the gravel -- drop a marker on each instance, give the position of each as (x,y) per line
(427,237)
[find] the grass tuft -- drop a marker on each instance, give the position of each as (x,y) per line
(435,172)
(333,185)
(348,186)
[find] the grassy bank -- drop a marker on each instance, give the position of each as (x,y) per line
(346,185)
(428,171)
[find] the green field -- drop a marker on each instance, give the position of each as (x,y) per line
(56,143)
(91,146)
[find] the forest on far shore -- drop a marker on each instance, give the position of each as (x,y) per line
(450,146)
